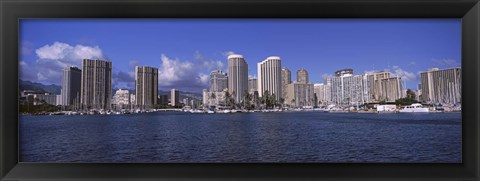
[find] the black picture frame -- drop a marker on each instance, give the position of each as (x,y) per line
(11,11)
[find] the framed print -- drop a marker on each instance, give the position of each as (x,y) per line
(354,90)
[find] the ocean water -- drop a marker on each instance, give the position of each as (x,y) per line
(243,137)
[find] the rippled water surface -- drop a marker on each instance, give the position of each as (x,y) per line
(242,137)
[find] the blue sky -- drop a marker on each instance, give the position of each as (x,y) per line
(186,50)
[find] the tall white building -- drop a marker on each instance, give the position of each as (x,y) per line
(347,88)
(122,99)
(441,86)
(237,77)
(270,77)
(146,84)
(96,86)
(218,81)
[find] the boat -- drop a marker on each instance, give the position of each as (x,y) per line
(210,112)
(416,107)
(226,111)
(196,111)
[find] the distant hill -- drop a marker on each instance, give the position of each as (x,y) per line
(182,94)
(29,85)
(56,89)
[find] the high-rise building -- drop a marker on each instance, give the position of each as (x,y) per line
(302,76)
(252,85)
(270,77)
(122,99)
(300,95)
(146,87)
(391,89)
(71,85)
(347,88)
(441,86)
(174,98)
(96,87)
(237,77)
(374,86)
(323,93)
(218,81)
(286,79)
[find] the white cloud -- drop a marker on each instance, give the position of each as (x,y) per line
(186,75)
(446,62)
(325,76)
(405,75)
(53,58)
(227,53)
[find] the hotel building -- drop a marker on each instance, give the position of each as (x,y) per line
(237,77)
(374,86)
(323,92)
(218,81)
(96,84)
(300,95)
(347,88)
(286,79)
(302,76)
(122,99)
(270,77)
(391,89)
(146,87)
(441,86)
(71,85)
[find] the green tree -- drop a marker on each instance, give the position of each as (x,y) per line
(408,100)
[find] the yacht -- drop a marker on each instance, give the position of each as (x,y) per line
(414,108)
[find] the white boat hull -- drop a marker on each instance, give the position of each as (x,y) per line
(414,110)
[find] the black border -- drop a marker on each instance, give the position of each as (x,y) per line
(11,11)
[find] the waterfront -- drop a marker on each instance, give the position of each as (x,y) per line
(242,137)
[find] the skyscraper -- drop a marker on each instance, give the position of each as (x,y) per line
(146,86)
(302,76)
(374,86)
(441,86)
(323,93)
(252,85)
(121,99)
(391,89)
(237,77)
(346,88)
(300,95)
(218,81)
(286,79)
(71,84)
(270,77)
(174,98)
(96,87)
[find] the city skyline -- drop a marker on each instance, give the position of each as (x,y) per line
(436,43)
